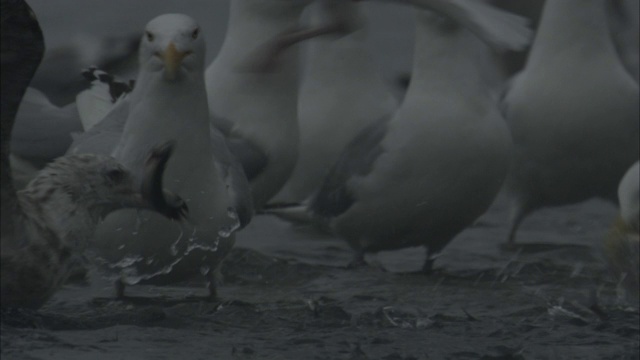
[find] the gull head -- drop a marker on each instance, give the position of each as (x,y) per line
(172,44)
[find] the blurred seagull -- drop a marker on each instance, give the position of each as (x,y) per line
(49,222)
(342,92)
(422,177)
(572,112)
(254,105)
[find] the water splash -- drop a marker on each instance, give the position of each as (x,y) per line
(130,276)
(126,262)
(232,213)
(138,224)
(226,231)
(193,237)
(204,270)
(213,248)
(174,247)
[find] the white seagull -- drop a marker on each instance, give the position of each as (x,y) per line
(573,112)
(422,177)
(169,102)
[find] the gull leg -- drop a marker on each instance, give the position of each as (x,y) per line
(119,285)
(517,214)
(212,280)
(433,252)
(357,261)
(427,268)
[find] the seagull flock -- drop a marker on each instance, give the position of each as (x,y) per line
(190,152)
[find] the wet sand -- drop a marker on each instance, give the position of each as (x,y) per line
(287,295)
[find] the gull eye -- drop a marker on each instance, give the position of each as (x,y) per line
(194,34)
(149,36)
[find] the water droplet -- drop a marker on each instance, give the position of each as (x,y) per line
(204,270)
(226,231)
(174,246)
(232,213)
(126,262)
(193,237)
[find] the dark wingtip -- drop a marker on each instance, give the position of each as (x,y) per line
(162,152)
(161,200)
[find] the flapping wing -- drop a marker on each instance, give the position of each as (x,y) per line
(334,196)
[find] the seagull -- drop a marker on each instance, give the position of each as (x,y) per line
(50,221)
(622,245)
(257,110)
(342,92)
(572,112)
(426,174)
(169,101)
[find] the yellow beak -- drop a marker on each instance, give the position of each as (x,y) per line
(172,60)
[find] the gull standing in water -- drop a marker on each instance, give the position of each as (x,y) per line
(342,92)
(573,112)
(49,222)
(422,177)
(169,102)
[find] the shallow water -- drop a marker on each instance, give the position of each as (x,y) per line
(287,295)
